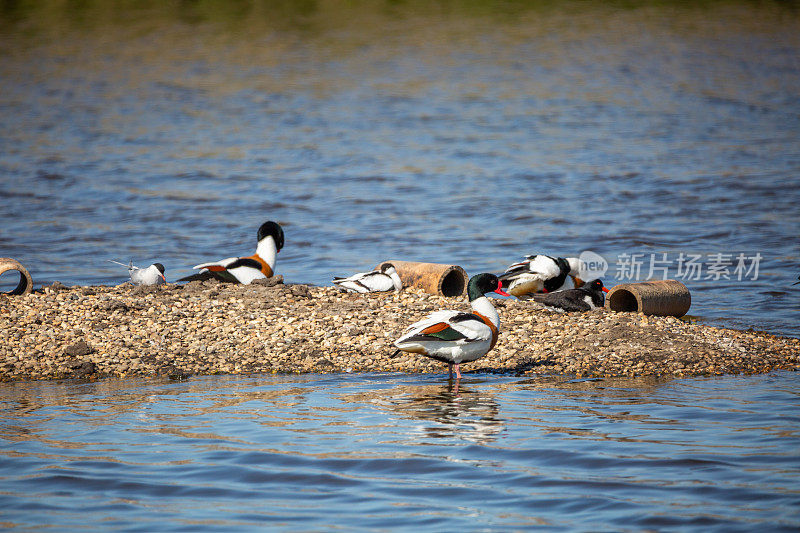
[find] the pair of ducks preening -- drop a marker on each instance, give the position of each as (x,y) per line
(453,337)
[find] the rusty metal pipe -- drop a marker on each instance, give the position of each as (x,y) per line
(25,285)
(433,278)
(658,297)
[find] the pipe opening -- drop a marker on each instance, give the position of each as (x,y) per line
(11,284)
(453,284)
(622,300)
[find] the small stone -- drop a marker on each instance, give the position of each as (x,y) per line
(84,369)
(141,290)
(179,375)
(78,349)
(300,290)
(115,305)
(268,282)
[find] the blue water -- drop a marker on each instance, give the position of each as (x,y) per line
(460,132)
(379,452)
(473,134)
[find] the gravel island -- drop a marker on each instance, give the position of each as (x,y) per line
(208,327)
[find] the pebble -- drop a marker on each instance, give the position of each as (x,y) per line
(209,328)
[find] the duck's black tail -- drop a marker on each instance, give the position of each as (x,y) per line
(200,276)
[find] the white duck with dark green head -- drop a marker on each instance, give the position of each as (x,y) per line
(456,337)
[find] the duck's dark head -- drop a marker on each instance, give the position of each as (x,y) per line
(388,269)
(595,285)
(274,230)
(480,284)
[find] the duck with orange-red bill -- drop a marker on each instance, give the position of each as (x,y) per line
(456,337)
(585,298)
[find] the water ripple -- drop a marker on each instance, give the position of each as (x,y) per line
(378,450)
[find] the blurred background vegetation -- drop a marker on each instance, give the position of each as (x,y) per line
(41,15)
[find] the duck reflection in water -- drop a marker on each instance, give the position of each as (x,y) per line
(457,409)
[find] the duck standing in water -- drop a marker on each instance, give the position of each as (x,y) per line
(456,337)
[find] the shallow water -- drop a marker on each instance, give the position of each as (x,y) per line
(467,133)
(402,452)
